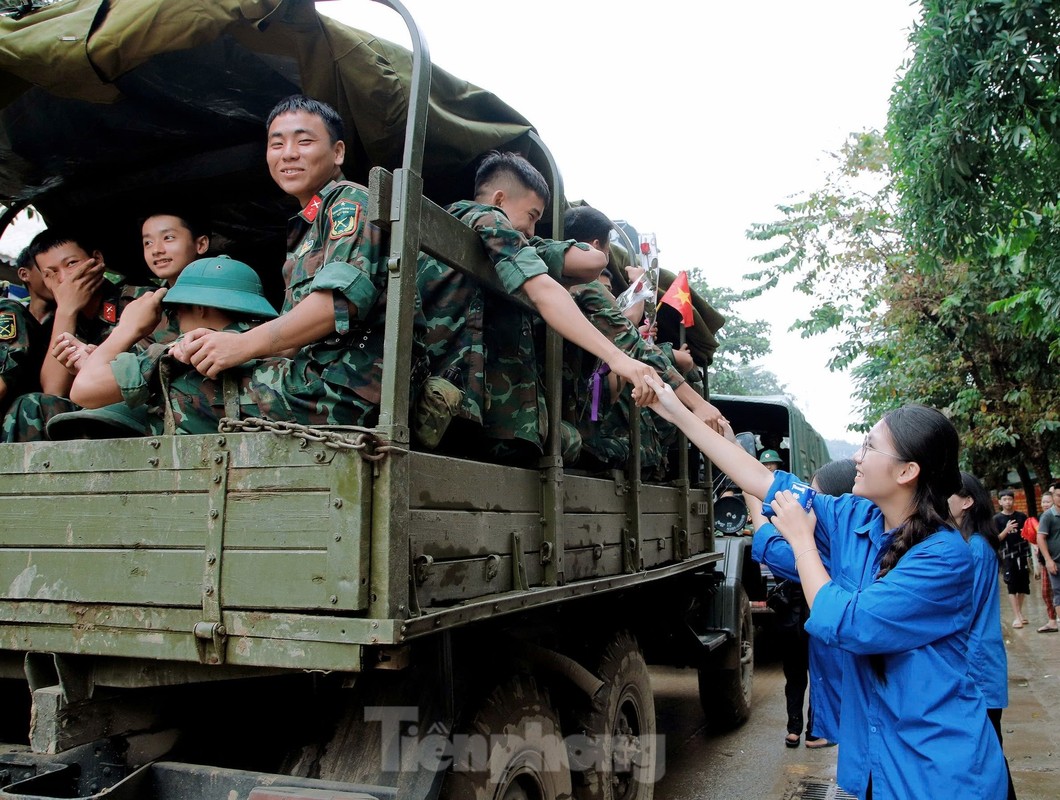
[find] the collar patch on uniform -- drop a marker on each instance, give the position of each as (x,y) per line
(309,213)
(304,247)
(8,326)
(345,216)
(110,312)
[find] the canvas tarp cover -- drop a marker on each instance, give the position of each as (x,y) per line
(106,105)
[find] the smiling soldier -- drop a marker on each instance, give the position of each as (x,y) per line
(325,351)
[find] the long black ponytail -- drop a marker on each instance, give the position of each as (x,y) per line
(924,436)
(979,517)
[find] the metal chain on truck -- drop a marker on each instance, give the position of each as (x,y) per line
(365,441)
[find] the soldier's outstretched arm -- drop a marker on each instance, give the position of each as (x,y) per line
(726,455)
(698,405)
(582,266)
(558,309)
(95,384)
(212,352)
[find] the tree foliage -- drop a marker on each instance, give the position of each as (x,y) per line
(740,343)
(917,327)
(974,126)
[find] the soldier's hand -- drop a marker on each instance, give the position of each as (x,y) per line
(709,414)
(637,374)
(74,290)
(69,351)
(683,359)
(144,313)
(211,352)
(666,404)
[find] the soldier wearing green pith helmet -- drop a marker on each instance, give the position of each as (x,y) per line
(211,293)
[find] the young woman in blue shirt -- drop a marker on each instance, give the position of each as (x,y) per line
(896,598)
(973,511)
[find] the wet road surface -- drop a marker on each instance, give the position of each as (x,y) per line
(752,763)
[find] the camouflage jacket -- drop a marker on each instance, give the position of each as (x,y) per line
(332,247)
(198,404)
(23,345)
(479,341)
(607,437)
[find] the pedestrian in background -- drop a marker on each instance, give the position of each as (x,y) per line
(1041,573)
(821,663)
(1015,554)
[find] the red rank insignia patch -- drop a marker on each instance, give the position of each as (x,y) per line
(8,326)
(309,213)
(110,312)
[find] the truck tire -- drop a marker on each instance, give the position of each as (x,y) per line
(618,761)
(512,749)
(724,690)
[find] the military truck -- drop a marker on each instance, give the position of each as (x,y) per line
(776,424)
(277,611)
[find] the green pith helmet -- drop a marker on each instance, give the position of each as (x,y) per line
(770,457)
(221,282)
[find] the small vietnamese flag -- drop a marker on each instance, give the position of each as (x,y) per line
(679,296)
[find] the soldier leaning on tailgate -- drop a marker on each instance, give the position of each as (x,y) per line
(325,351)
(600,408)
(502,392)
(25,331)
(87,306)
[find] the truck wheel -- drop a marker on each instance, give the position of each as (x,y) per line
(724,691)
(512,749)
(618,762)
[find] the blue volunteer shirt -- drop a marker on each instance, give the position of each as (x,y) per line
(922,732)
(826,663)
(987,659)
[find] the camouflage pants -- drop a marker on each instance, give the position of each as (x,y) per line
(467,440)
(282,390)
(29,414)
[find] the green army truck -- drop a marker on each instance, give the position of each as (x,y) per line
(776,424)
(275,611)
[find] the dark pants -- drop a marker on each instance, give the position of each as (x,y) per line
(995,719)
(795,655)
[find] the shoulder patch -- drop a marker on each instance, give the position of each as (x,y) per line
(8,326)
(344,216)
(110,312)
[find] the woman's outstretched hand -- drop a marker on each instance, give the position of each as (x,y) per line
(666,404)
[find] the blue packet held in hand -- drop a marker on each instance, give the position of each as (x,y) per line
(803,492)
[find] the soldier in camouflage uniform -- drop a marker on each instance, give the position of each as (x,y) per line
(488,345)
(216,293)
(331,325)
(601,409)
(25,330)
(87,307)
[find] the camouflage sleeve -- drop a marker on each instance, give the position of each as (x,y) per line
(352,263)
(599,309)
(137,374)
(15,341)
(514,258)
(552,252)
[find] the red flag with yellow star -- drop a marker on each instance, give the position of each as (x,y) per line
(679,296)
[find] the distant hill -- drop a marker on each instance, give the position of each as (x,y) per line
(837,448)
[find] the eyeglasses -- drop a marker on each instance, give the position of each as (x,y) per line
(866,447)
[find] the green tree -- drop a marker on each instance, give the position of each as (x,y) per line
(974,124)
(740,343)
(916,327)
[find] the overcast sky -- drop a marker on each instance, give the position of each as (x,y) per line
(690,120)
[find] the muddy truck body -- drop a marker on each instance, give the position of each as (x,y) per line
(276,611)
